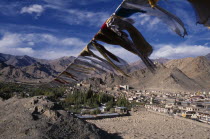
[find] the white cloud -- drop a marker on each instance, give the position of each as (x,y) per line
(18,51)
(26,50)
(37,9)
(52,46)
(10,44)
(31,43)
(73,42)
(150,24)
(75,16)
(79,16)
(36,38)
(147,20)
(45,38)
(40,45)
(48,46)
(56,53)
(180,51)
(165,51)
(9,40)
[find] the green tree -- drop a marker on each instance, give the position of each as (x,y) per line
(122,102)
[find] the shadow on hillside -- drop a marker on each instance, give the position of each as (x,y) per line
(105,135)
(115,136)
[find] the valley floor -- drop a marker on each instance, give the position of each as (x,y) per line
(149,125)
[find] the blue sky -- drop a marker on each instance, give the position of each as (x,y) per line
(51,29)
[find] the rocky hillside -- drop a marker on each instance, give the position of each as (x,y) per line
(28,69)
(18,61)
(60,64)
(36,72)
(21,61)
(195,68)
(11,73)
(39,118)
(188,74)
(168,79)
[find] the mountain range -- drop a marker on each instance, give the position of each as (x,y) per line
(186,74)
(29,69)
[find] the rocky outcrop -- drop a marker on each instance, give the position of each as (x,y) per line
(197,69)
(39,118)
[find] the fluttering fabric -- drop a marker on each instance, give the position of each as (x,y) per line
(93,61)
(130,7)
(111,33)
(119,30)
(202,10)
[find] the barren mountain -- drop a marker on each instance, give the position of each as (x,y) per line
(11,73)
(21,61)
(196,68)
(40,71)
(28,69)
(168,79)
(33,73)
(60,64)
(18,61)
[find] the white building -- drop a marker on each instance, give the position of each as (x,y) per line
(126,87)
(192,109)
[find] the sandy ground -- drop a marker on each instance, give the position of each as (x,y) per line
(149,125)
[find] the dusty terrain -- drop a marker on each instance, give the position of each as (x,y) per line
(39,118)
(148,125)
